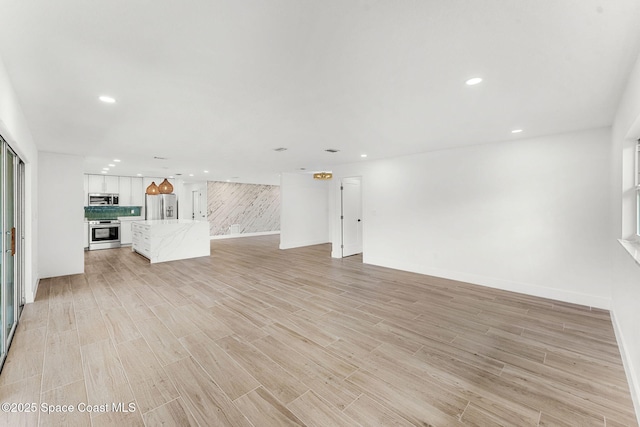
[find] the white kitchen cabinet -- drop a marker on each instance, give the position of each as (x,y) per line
(103,184)
(137,192)
(85,182)
(111,184)
(126,238)
(96,184)
(125,191)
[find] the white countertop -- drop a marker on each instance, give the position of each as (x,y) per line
(168,221)
(130,218)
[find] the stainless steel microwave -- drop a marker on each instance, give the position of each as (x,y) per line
(103,199)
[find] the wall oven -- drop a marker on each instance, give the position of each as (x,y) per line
(103,199)
(104,234)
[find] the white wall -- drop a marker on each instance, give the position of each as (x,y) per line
(14,129)
(529,216)
(626,273)
(61,249)
(304,218)
(185,206)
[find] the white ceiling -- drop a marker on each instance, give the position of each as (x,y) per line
(218,85)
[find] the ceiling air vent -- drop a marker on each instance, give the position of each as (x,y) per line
(280,149)
(159,158)
(331,150)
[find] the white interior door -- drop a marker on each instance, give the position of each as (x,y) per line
(351,216)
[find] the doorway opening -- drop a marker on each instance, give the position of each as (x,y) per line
(351,216)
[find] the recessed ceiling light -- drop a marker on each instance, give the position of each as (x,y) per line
(103,171)
(363,155)
(190,174)
(139,174)
(206,171)
(516,131)
(170,176)
(107,99)
(473,81)
(228,180)
(112,165)
(116,160)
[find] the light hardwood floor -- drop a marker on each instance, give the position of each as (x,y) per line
(258,336)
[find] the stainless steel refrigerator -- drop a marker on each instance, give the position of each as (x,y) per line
(161,206)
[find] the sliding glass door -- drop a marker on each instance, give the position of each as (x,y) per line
(11,261)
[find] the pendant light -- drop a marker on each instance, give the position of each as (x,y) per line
(153,189)
(165,187)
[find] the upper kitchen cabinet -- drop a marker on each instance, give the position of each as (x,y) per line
(104,184)
(137,192)
(86,190)
(125,191)
(131,191)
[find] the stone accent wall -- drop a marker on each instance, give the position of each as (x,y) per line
(254,208)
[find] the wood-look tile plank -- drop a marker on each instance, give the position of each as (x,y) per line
(120,325)
(61,317)
(174,320)
(334,390)
(368,412)
(311,350)
(225,371)
(60,290)
(262,409)
(239,325)
(205,322)
(62,360)
(91,326)
(150,296)
(83,298)
(150,384)
(173,413)
(104,375)
(416,411)
(24,391)
(25,356)
(272,376)
(208,404)
(313,411)
(164,345)
(105,297)
(120,419)
(34,315)
(70,395)
(135,305)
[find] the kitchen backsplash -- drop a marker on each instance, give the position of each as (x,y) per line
(110,212)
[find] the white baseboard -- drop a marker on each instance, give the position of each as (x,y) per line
(491,282)
(35,290)
(233,236)
(302,243)
(629,370)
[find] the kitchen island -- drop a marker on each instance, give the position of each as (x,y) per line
(170,240)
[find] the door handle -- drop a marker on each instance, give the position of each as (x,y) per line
(13,241)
